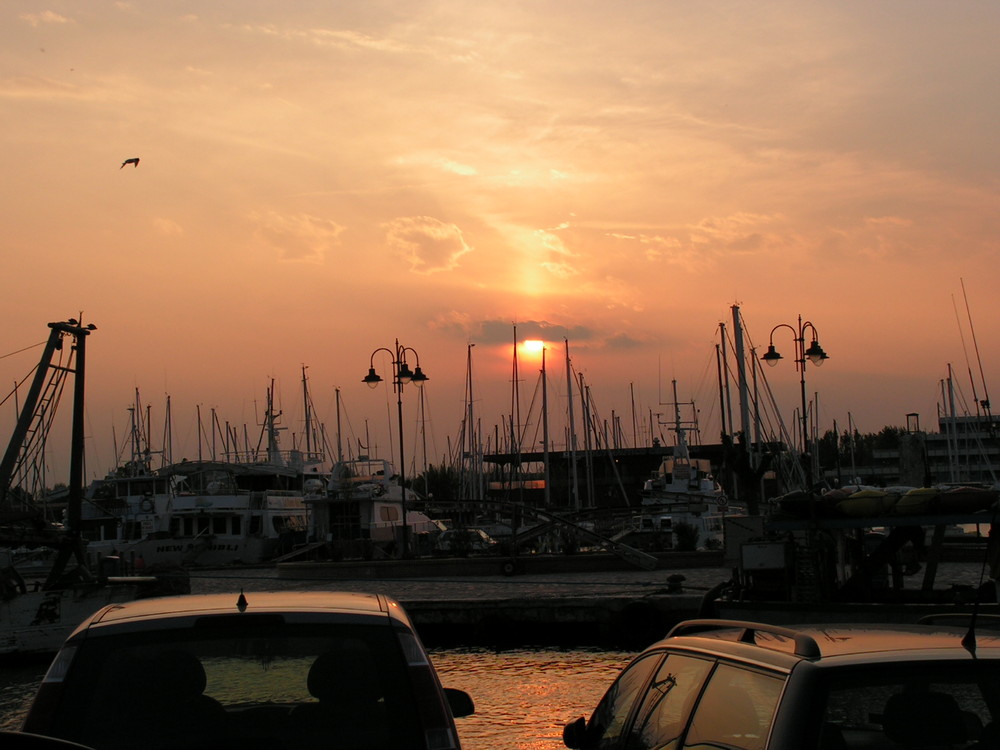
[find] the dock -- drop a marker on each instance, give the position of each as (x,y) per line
(625,609)
(488,565)
(609,621)
(547,601)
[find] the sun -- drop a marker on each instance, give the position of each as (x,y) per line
(532,346)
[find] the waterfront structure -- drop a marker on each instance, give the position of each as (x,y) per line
(964,450)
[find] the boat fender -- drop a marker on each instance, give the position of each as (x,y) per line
(509,568)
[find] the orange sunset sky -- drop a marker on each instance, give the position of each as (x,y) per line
(318,179)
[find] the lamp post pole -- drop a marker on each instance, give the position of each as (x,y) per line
(814,354)
(401,376)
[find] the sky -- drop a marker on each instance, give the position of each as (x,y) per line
(318,180)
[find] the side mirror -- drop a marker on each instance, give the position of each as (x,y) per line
(575,734)
(460,702)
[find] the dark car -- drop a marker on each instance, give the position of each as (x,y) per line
(268,670)
(749,686)
(463,542)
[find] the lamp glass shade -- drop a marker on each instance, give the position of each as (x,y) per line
(372,378)
(418,377)
(816,354)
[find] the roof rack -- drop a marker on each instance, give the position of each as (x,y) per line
(805,645)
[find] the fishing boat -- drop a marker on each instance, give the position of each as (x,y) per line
(35,617)
(682,505)
(361,514)
(205,513)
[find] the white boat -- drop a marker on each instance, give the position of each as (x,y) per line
(683,497)
(36,617)
(365,503)
(200,513)
(204,513)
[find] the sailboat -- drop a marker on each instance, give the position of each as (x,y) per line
(35,619)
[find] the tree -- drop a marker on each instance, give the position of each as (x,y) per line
(440,482)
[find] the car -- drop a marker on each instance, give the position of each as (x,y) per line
(463,542)
(753,686)
(261,670)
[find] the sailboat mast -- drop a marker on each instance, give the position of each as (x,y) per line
(574,480)
(474,453)
(985,402)
(545,432)
(308,414)
(168,437)
(340,445)
(741,370)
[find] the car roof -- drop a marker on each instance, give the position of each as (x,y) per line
(305,603)
(858,643)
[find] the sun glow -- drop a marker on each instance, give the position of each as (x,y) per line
(532,347)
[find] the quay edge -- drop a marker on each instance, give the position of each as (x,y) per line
(612,621)
(461,567)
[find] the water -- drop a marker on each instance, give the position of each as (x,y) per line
(523,697)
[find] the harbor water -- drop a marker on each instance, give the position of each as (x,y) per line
(524,696)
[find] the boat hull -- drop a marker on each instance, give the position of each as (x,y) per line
(37,622)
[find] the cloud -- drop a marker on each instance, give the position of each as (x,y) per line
(623,341)
(427,244)
(298,237)
(167,227)
(436,161)
(343,38)
(497,331)
(46,16)
(36,87)
(700,246)
(558,261)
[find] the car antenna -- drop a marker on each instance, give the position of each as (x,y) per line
(241,602)
(969,639)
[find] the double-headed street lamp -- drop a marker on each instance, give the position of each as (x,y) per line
(401,376)
(814,354)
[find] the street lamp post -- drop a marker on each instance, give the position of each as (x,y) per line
(401,376)
(814,354)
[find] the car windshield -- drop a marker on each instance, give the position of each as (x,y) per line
(258,683)
(930,704)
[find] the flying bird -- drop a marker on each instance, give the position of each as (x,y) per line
(134,161)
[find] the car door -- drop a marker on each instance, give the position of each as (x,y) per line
(735,710)
(666,707)
(610,721)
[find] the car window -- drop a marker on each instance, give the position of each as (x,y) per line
(610,718)
(667,705)
(937,703)
(251,684)
(736,710)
